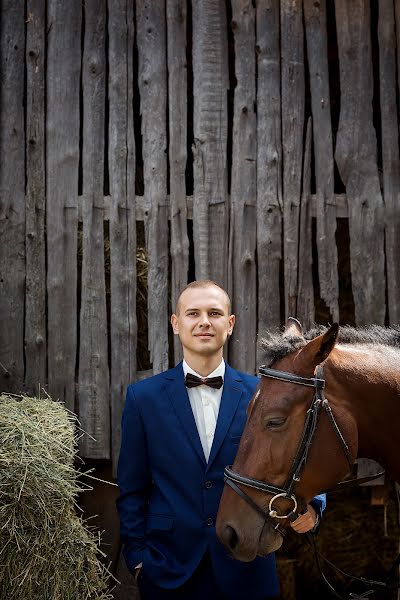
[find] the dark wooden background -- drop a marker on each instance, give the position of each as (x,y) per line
(252,142)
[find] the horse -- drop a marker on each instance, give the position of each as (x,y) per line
(332,396)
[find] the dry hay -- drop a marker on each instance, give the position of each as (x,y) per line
(46,551)
(358,538)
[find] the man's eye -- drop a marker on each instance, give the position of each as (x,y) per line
(274,423)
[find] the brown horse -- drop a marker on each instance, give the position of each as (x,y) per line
(300,438)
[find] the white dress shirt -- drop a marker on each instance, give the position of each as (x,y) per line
(205,402)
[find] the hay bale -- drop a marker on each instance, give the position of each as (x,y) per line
(46,551)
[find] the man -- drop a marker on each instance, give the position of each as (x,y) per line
(180,429)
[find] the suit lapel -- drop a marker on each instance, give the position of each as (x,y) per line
(179,398)
(229,402)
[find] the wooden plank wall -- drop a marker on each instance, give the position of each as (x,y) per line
(238,132)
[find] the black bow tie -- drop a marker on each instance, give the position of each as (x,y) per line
(213,382)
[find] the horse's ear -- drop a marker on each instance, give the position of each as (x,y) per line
(318,350)
(293,328)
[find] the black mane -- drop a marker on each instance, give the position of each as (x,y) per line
(276,346)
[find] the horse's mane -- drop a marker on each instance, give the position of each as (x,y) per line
(276,346)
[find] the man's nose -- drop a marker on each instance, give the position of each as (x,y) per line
(204,320)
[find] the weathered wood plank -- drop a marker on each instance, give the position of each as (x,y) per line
(142,206)
(121,159)
(12,196)
(293,99)
(242,349)
(269,165)
(177,106)
(62,160)
(305,301)
(94,410)
(390,153)
(151,38)
(210,122)
(35,298)
(356,160)
(317,52)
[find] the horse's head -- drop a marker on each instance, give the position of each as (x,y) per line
(271,443)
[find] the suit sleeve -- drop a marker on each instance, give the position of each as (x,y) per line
(319,504)
(134,481)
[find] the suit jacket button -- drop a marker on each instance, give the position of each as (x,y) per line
(208,485)
(210,521)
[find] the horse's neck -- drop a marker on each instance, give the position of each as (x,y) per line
(368,385)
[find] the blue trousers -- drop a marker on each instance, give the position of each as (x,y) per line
(202,585)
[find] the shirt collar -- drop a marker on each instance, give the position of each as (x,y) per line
(219,371)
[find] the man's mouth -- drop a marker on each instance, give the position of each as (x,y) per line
(204,335)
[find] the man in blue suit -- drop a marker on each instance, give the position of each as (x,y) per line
(179,430)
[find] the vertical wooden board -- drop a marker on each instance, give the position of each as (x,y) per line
(390,153)
(151,38)
(269,165)
(293,99)
(210,122)
(357,162)
(12,196)
(242,349)
(94,409)
(121,159)
(317,52)
(62,159)
(305,302)
(397,27)
(177,107)
(35,299)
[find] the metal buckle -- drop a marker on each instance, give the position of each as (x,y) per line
(273,513)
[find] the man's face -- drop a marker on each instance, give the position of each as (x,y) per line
(203,322)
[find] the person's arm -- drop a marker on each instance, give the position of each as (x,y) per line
(134,481)
(310,520)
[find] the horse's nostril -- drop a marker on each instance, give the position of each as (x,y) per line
(232,537)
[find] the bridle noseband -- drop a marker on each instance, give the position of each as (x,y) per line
(232,478)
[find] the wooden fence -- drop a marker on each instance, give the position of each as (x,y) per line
(252,138)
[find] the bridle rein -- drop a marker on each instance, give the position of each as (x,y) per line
(319,402)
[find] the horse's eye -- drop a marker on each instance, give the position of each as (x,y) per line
(274,423)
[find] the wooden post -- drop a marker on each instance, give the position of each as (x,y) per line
(317,52)
(177,107)
(390,153)
(293,98)
(121,159)
(356,160)
(35,292)
(269,165)
(153,101)
(62,161)
(242,349)
(12,197)
(210,122)
(94,414)
(305,302)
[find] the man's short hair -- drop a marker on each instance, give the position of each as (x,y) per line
(202,283)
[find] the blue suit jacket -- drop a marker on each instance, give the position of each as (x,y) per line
(169,494)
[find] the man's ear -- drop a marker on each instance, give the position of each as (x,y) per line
(174,323)
(232,320)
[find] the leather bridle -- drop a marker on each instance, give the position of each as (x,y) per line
(319,403)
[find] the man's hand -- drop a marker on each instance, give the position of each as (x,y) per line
(305,522)
(137,571)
